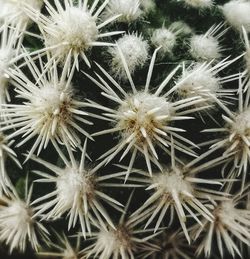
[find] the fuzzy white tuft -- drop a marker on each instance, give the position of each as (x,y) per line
(164,38)
(229,221)
(148,5)
(177,189)
(135,51)
(141,115)
(76,27)
(77,192)
(204,48)
(236,13)
(18,226)
(207,46)
(49,112)
(201,79)
(112,242)
(241,125)
(129,9)
(14,11)
(121,242)
(72,30)
(200,4)
(181,28)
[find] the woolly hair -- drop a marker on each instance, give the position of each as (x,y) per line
(181,28)
(199,4)
(148,5)
(77,191)
(129,10)
(230,221)
(177,189)
(164,38)
(197,79)
(135,51)
(19,227)
(72,30)
(202,79)
(206,47)
(14,11)
(236,13)
(122,242)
